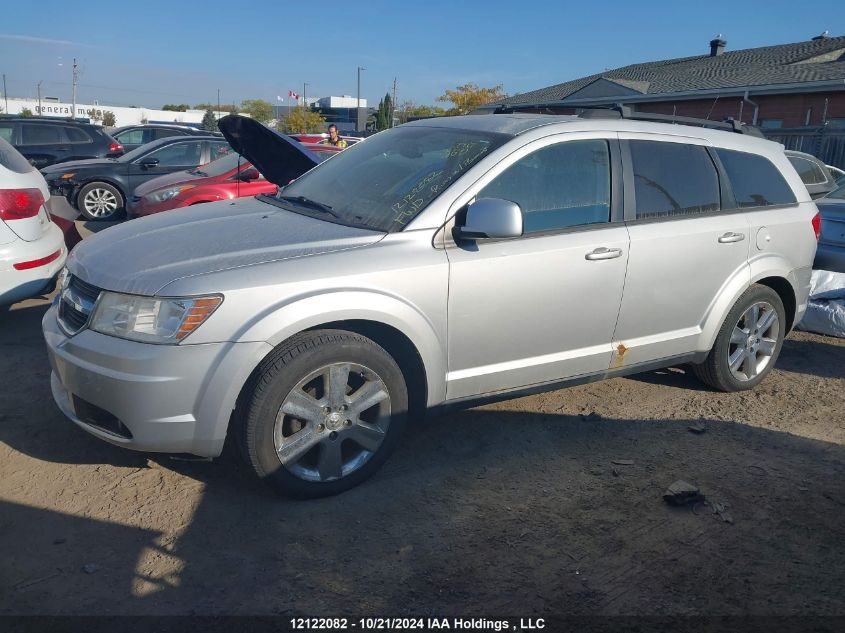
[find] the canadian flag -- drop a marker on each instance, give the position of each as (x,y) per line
(291,93)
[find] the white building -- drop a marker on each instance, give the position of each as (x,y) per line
(122,115)
(341,102)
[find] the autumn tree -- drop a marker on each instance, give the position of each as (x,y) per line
(108,118)
(172,107)
(300,121)
(95,115)
(26,112)
(222,108)
(258,109)
(468,97)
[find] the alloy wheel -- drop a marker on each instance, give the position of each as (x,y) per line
(100,203)
(753,341)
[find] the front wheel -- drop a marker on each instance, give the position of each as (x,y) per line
(748,343)
(100,201)
(326,410)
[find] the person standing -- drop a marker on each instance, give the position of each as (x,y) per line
(334,139)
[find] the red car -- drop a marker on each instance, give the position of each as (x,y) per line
(226,178)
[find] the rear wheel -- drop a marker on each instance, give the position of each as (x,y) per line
(748,344)
(100,201)
(326,410)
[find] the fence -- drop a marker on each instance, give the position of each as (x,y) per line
(825,142)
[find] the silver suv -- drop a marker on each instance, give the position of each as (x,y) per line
(440,264)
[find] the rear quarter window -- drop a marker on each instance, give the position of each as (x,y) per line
(75,135)
(755,181)
(11,159)
(811,174)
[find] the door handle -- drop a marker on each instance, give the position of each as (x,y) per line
(730,237)
(603,253)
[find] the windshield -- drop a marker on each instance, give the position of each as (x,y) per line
(218,167)
(386,181)
(839,194)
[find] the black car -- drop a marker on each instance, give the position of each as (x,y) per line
(45,141)
(133,136)
(99,188)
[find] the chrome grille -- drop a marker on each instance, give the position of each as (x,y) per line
(76,304)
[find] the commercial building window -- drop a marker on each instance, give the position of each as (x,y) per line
(755,181)
(673,179)
(770,123)
(559,186)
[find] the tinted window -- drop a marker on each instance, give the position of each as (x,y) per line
(755,181)
(34,134)
(7,131)
(178,154)
(158,133)
(75,135)
(811,174)
(562,185)
(10,158)
(130,137)
(218,149)
(673,179)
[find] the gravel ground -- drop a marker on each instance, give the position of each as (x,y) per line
(510,509)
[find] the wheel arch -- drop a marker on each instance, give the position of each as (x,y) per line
(786,293)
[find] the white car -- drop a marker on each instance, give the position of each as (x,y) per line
(32,247)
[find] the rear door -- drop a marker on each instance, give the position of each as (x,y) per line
(684,245)
(179,156)
(43,144)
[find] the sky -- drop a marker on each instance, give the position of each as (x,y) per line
(152,52)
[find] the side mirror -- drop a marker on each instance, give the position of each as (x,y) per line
(490,218)
(249,174)
(146,163)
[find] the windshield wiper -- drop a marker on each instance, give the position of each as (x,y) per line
(312,204)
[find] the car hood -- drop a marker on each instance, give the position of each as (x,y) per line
(70,165)
(144,255)
(160,182)
(278,157)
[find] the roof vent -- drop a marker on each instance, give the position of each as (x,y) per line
(823,36)
(717,46)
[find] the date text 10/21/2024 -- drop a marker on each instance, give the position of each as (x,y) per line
(419,624)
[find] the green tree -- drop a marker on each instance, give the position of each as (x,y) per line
(108,118)
(384,113)
(258,109)
(300,121)
(223,107)
(170,107)
(468,97)
(209,121)
(26,112)
(95,115)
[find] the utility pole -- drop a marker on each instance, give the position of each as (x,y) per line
(393,103)
(5,94)
(304,102)
(39,97)
(218,103)
(358,109)
(75,74)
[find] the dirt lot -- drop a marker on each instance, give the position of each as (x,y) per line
(511,509)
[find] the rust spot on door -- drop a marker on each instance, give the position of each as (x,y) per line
(619,356)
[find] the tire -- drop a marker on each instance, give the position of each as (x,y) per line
(100,201)
(324,457)
(754,350)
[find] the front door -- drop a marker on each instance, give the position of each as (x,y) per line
(541,307)
(178,156)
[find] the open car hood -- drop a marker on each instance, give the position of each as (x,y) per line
(279,157)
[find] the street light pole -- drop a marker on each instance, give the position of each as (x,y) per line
(39,98)
(218,103)
(304,102)
(358,109)
(73,113)
(5,94)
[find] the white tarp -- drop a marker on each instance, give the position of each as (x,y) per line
(826,307)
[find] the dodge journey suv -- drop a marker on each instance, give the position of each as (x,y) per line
(440,264)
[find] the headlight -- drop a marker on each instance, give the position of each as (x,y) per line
(150,320)
(64,278)
(167,194)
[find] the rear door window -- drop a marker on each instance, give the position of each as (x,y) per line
(75,135)
(755,181)
(672,179)
(165,133)
(35,134)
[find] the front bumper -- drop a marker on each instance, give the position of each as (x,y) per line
(158,398)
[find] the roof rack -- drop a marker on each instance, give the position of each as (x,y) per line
(619,111)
